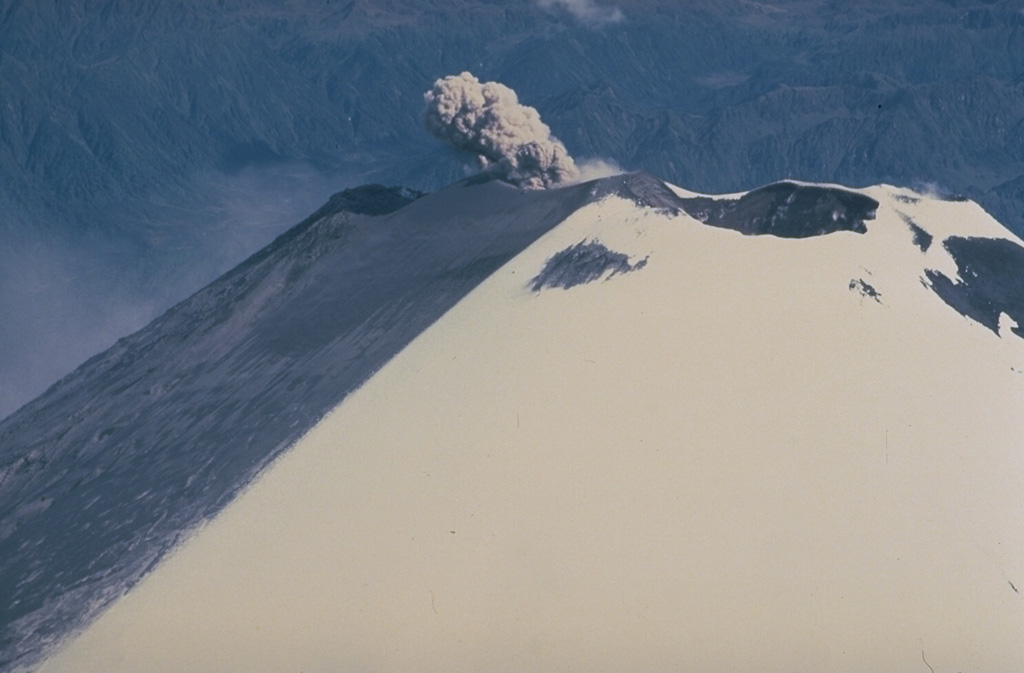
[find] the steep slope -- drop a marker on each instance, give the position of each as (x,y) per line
(646,442)
(101,474)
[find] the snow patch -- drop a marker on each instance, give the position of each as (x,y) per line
(1007,325)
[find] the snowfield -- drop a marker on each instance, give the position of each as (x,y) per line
(728,452)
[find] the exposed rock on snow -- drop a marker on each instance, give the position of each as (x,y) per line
(582,263)
(992,280)
(787,210)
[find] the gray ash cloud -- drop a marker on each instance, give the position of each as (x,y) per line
(508,138)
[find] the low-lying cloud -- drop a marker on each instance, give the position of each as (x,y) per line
(508,138)
(595,168)
(586,11)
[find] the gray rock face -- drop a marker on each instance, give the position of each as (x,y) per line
(787,210)
(991,281)
(784,209)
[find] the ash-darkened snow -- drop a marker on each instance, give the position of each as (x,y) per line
(922,239)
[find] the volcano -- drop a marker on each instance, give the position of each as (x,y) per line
(611,426)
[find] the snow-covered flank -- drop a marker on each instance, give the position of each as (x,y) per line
(726,461)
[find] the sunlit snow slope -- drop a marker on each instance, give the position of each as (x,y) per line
(762,442)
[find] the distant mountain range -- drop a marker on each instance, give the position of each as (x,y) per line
(147,147)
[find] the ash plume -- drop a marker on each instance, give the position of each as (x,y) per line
(508,138)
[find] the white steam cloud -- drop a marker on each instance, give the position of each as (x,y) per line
(508,138)
(595,168)
(586,11)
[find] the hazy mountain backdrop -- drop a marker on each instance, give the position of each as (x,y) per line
(147,146)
